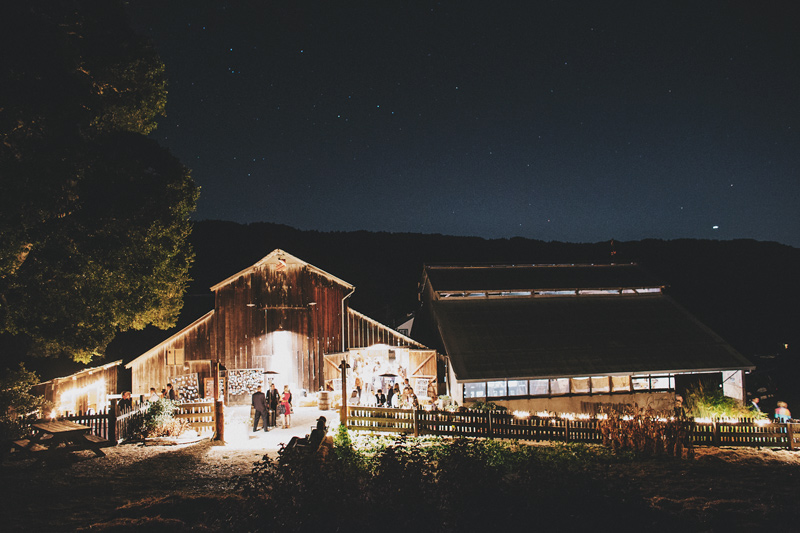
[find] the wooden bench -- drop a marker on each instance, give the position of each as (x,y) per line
(95,443)
(26,445)
(56,438)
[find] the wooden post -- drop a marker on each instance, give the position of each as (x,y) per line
(715,429)
(566,430)
(219,417)
(489,427)
(343,413)
(416,422)
(113,411)
(790,434)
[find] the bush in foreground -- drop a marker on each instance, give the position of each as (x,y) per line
(440,485)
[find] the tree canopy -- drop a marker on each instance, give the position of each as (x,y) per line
(94,216)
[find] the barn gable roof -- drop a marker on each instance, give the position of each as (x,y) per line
(81,373)
(154,350)
(278,256)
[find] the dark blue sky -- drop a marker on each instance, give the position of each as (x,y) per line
(574,121)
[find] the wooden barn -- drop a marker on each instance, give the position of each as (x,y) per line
(569,338)
(87,390)
(280,319)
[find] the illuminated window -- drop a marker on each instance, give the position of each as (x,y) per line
(517,388)
(475,390)
(640,383)
(600,384)
(621,383)
(662,382)
(559,386)
(497,389)
(540,387)
(580,385)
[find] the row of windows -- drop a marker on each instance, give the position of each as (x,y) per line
(573,292)
(562,386)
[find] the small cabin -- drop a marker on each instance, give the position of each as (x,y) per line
(84,391)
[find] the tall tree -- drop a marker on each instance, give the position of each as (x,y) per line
(94,216)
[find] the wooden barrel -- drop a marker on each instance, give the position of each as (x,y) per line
(324,400)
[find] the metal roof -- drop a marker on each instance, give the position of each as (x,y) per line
(446,278)
(507,338)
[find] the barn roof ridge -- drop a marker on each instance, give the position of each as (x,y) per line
(84,371)
(171,338)
(492,264)
(276,254)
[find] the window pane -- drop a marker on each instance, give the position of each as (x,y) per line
(580,385)
(600,384)
(660,382)
(517,388)
(640,383)
(497,388)
(539,387)
(559,386)
(621,383)
(474,390)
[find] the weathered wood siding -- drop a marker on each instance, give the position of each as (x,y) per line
(364,332)
(268,299)
(197,342)
(84,381)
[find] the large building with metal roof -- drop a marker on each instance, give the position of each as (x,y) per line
(568,338)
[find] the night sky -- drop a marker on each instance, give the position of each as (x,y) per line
(574,121)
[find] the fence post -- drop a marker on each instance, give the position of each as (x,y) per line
(715,429)
(416,422)
(489,426)
(566,430)
(790,435)
(112,421)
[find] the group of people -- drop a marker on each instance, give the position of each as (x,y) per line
(168,393)
(782,413)
(269,406)
(395,397)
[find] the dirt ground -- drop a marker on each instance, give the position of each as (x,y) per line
(721,489)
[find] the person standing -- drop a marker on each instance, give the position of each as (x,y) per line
(782,413)
(754,404)
(433,390)
(259,403)
(389,395)
(380,398)
(126,402)
(286,407)
(273,398)
(171,392)
(154,397)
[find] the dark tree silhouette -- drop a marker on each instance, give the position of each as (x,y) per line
(93,215)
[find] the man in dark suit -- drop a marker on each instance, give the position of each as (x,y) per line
(260,405)
(273,397)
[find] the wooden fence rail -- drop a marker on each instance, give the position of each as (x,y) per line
(504,425)
(200,416)
(117,425)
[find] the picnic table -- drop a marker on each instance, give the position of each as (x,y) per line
(61,436)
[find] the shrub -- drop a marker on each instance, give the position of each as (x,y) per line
(434,484)
(159,420)
(712,403)
(18,407)
(647,435)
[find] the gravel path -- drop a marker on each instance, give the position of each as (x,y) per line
(85,489)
